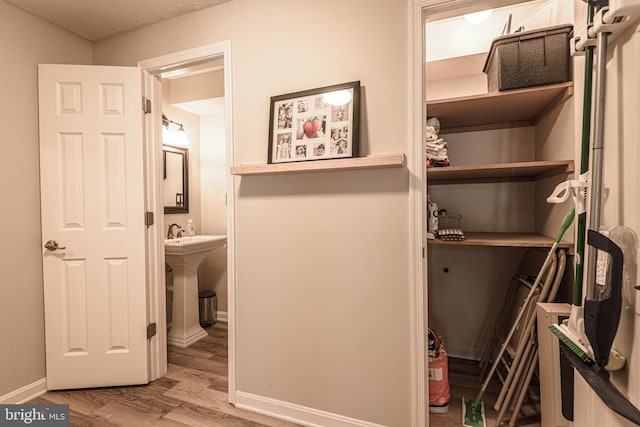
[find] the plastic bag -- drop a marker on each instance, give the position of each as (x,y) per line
(439,391)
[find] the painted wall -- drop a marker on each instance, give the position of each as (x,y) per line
(322,280)
(212,274)
(25,41)
(198,86)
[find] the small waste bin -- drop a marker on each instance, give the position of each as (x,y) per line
(207,304)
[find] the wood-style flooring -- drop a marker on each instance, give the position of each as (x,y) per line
(464,382)
(192,393)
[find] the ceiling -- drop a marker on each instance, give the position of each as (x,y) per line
(98,19)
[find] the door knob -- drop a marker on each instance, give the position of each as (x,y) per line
(52,245)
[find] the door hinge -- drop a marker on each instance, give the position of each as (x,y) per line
(151,330)
(149,219)
(146,105)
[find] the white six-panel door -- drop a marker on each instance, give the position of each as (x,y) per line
(92,183)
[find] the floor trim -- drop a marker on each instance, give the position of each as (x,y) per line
(26,393)
(295,413)
(222,316)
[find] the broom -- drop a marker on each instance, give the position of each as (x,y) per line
(473,410)
(569,332)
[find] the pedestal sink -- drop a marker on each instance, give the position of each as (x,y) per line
(184,255)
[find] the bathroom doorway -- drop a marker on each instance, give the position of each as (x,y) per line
(193,88)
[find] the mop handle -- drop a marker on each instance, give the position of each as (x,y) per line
(563,228)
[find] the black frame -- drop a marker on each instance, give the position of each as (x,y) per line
(184,152)
(335,135)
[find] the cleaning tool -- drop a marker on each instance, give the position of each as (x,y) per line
(602,314)
(570,332)
(473,410)
(605,260)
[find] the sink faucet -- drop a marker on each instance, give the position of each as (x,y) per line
(170,232)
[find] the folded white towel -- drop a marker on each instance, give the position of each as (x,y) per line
(437,156)
(435,123)
(430,134)
(438,143)
(443,152)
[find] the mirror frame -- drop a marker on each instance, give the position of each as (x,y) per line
(184,152)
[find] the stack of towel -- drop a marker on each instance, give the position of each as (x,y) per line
(437,154)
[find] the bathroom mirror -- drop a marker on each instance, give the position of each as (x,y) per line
(175,163)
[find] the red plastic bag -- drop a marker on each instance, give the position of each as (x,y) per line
(439,391)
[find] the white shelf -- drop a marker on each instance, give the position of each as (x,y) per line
(498,110)
(522,171)
(376,161)
(526,240)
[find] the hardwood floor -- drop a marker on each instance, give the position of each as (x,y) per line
(192,393)
(464,382)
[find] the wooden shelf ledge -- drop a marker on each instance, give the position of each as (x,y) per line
(522,171)
(375,161)
(498,110)
(523,240)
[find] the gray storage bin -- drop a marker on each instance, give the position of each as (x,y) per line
(208,305)
(529,58)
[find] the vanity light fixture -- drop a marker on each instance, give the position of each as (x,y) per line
(176,137)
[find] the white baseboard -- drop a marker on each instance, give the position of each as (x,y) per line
(463,352)
(296,413)
(26,393)
(222,316)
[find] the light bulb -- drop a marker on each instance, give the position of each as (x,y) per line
(338,97)
(180,137)
(478,17)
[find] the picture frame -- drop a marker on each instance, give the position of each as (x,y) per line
(315,124)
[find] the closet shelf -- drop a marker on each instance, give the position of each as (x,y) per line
(375,161)
(523,171)
(524,240)
(498,110)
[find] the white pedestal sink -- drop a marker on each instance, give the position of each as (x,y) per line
(184,255)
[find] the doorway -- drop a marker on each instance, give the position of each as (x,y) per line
(450,71)
(194,62)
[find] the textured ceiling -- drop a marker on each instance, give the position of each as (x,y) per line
(99,19)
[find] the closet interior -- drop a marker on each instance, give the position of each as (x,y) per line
(497,156)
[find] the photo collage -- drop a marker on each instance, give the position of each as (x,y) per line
(309,128)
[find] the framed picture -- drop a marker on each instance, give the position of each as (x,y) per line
(315,124)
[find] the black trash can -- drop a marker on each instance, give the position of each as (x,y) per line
(208,305)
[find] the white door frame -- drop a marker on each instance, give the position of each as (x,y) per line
(157,303)
(416,161)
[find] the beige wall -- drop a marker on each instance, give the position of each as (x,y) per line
(212,274)
(199,86)
(322,262)
(25,41)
